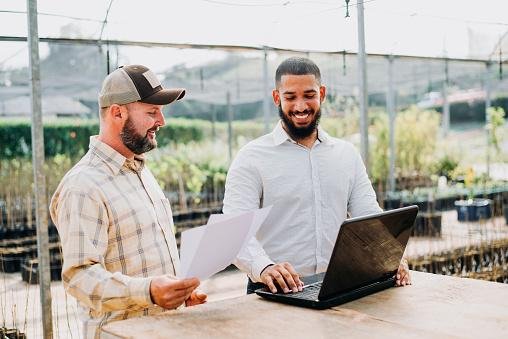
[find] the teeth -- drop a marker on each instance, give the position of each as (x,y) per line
(301,116)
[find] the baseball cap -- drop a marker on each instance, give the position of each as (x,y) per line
(133,83)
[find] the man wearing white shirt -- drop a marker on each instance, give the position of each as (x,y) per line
(317,178)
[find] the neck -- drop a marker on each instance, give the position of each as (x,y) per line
(116,144)
(307,141)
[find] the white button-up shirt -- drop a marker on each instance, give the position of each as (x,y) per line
(312,190)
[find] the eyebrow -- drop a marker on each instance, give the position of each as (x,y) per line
(305,92)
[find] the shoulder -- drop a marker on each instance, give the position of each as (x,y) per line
(86,177)
(255,147)
(261,142)
(346,148)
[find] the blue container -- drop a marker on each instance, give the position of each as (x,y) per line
(473,209)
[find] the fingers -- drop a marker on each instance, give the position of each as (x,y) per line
(296,277)
(284,275)
(268,280)
(196,298)
(170,293)
(201,296)
(281,276)
(402,277)
(186,283)
(406,278)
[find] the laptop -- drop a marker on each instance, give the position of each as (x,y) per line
(364,260)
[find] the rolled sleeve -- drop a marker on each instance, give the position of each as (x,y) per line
(140,292)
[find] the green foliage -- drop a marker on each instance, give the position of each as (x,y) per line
(415,140)
(66,137)
(415,143)
(72,137)
(380,152)
(341,126)
(16,175)
(191,170)
(446,166)
(496,117)
(195,182)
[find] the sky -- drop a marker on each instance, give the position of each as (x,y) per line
(410,27)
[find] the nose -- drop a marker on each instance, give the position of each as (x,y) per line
(300,105)
(160,119)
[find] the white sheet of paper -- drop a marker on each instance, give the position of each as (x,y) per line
(205,250)
(259,217)
(189,242)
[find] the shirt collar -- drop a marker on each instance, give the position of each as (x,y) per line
(113,158)
(324,137)
(280,135)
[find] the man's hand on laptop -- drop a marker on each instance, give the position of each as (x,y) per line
(284,275)
(403,278)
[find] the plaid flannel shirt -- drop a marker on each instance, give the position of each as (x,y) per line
(116,230)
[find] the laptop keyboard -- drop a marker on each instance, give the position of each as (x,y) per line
(310,292)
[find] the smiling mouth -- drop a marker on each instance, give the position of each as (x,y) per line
(151,132)
(301,116)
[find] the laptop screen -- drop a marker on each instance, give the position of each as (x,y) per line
(368,249)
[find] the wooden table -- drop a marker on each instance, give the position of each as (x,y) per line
(434,306)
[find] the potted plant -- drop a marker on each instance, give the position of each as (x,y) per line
(472,209)
(428,221)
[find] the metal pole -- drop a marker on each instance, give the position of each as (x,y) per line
(362,83)
(390,106)
(266,95)
(487,116)
(39,178)
(446,104)
(214,119)
(446,110)
(230,127)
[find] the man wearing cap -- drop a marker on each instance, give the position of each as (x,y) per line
(114,222)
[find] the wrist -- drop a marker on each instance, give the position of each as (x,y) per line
(265,269)
(150,292)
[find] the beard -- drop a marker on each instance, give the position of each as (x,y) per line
(137,143)
(298,133)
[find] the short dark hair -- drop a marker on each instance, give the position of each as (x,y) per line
(297,66)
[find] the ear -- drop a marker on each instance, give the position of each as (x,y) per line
(117,112)
(322,93)
(276,97)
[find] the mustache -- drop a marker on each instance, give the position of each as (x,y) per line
(153,129)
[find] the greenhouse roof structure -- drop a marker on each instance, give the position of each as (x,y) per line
(431,28)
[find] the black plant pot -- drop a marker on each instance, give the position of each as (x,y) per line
(506,214)
(30,271)
(390,204)
(11,333)
(427,224)
(10,261)
(473,209)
